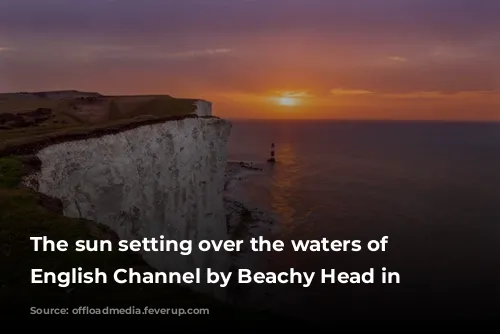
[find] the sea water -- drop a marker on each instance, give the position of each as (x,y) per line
(432,188)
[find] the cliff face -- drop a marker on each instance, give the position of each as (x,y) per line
(162,179)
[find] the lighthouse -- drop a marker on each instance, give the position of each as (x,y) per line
(272,159)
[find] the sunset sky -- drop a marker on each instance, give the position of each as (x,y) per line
(373,59)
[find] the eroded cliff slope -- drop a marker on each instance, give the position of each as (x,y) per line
(160,179)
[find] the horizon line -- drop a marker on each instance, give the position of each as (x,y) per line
(363,120)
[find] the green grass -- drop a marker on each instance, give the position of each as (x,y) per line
(10,173)
(78,117)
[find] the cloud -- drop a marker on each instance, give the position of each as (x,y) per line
(453,53)
(158,54)
(89,53)
(441,95)
(344,92)
(417,19)
(198,53)
(398,59)
(417,94)
(6,49)
(294,94)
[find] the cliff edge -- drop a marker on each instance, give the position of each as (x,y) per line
(164,179)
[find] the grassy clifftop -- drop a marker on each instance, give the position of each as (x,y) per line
(32,120)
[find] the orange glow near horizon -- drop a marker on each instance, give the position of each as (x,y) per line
(289,99)
(355,104)
(308,101)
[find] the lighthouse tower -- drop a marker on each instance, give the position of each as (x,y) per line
(272,158)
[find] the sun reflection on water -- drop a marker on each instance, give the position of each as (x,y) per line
(284,176)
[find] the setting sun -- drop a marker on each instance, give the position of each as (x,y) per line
(288,101)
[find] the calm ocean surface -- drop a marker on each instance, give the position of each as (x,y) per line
(432,188)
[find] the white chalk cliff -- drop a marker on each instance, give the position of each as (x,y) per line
(162,179)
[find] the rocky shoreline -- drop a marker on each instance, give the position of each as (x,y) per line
(243,223)
(239,217)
